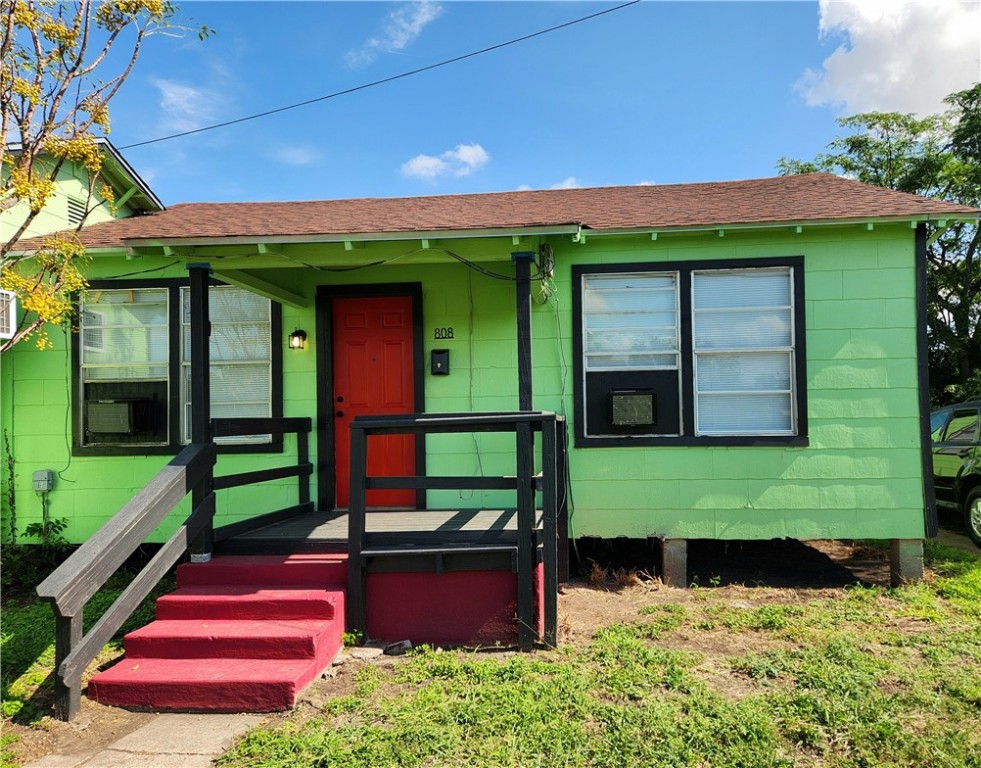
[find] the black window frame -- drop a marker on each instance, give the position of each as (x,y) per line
(687,376)
(174,405)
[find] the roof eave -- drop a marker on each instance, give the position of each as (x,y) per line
(785,224)
(357,237)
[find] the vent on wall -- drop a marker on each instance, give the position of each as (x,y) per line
(76,211)
(8,314)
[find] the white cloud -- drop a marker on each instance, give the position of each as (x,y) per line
(645,183)
(568,183)
(424,167)
(186,107)
(401,28)
(297,155)
(523,188)
(896,56)
(462,160)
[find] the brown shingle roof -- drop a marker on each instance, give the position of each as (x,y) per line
(809,197)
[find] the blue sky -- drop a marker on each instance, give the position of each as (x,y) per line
(658,92)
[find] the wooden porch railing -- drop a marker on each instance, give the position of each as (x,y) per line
(523,424)
(86,571)
(301,470)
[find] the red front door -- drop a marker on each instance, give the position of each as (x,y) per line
(373,374)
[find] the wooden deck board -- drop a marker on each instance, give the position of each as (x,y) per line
(327,531)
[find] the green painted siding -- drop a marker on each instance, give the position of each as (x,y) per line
(72,183)
(859,476)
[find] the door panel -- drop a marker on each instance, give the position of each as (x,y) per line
(953,451)
(373,375)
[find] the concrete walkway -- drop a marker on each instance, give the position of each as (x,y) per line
(168,741)
(957,541)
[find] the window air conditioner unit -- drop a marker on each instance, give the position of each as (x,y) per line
(633,407)
(117,417)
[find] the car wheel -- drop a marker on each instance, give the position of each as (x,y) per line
(972,515)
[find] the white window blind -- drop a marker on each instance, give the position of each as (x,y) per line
(630,321)
(124,335)
(240,357)
(743,344)
(8,314)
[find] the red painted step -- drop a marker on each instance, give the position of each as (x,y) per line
(269,570)
(243,601)
(241,634)
(197,639)
(214,685)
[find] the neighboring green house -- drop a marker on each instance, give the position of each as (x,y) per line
(736,360)
(72,202)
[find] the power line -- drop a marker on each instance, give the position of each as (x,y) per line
(384,80)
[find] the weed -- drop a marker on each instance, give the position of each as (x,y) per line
(625,577)
(762,666)
(353,638)
(597,576)
(366,681)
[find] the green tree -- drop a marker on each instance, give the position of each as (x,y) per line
(62,63)
(937,156)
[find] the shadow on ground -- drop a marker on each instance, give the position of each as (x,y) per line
(773,563)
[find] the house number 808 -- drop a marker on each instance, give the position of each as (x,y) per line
(443,333)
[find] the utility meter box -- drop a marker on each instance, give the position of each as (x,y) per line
(43,480)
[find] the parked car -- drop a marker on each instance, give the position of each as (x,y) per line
(956,436)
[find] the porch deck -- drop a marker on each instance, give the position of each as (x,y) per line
(321,532)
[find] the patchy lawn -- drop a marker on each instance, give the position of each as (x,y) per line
(777,657)
(718,675)
(27,673)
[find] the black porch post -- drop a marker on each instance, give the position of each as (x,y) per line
(525,458)
(522,272)
(201,399)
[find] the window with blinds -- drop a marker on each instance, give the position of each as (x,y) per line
(8,314)
(743,348)
(712,351)
(133,354)
(124,366)
(630,321)
(239,351)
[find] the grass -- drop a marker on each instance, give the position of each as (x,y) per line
(27,648)
(869,677)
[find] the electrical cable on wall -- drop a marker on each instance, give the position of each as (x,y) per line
(68,409)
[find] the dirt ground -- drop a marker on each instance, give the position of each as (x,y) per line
(611,585)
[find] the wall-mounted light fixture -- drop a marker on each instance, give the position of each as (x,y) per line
(298,339)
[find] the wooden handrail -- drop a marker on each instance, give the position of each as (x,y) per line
(302,469)
(88,568)
(264,426)
(86,571)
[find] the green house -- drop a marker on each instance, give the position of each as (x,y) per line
(735,360)
(76,198)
